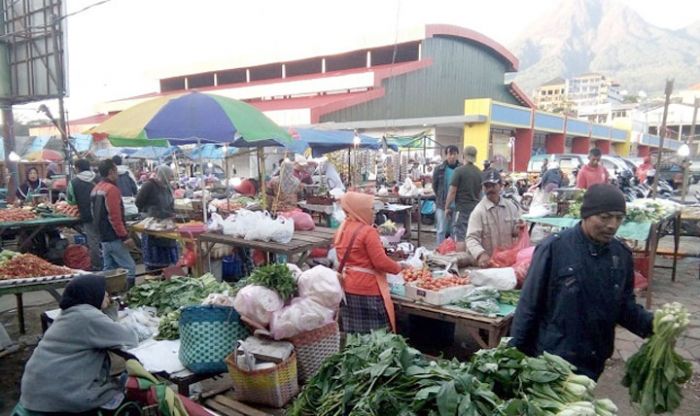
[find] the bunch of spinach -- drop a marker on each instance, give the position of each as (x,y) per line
(275,276)
(380,374)
(656,372)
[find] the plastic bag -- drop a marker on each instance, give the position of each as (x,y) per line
(322,286)
(257,303)
(296,271)
(216,222)
(283,231)
(142,321)
(501,279)
(447,246)
(408,188)
(338,213)
(522,264)
(301,316)
(302,220)
(218,299)
(505,257)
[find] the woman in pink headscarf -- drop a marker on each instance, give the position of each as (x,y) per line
(363,264)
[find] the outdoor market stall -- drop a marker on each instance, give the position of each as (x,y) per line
(661,219)
(35,226)
(301,244)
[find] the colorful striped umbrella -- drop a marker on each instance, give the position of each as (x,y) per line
(192,118)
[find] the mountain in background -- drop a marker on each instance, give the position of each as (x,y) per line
(607,37)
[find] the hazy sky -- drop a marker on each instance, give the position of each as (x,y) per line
(120,48)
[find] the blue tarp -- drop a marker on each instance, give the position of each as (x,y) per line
(81,142)
(38,144)
(326,141)
(154,153)
(113,151)
(210,151)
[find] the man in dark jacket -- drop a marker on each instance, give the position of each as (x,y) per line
(579,286)
(442,177)
(125,181)
(108,217)
(79,190)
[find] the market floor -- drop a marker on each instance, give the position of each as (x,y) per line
(685,290)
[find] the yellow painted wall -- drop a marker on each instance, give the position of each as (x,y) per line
(623,123)
(478,134)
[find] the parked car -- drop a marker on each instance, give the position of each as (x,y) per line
(567,161)
(694,171)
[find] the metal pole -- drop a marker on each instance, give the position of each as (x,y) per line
(8,127)
(662,134)
(687,142)
(60,80)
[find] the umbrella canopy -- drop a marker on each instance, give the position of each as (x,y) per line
(191,118)
(113,151)
(326,141)
(44,155)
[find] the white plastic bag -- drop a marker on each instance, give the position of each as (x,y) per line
(296,271)
(301,316)
(322,286)
(142,320)
(216,222)
(218,299)
(282,230)
(257,303)
(338,213)
(408,188)
(500,278)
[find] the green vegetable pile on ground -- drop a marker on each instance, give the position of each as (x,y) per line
(168,296)
(277,277)
(379,374)
(656,372)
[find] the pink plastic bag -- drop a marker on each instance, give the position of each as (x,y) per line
(506,257)
(302,220)
(446,247)
(522,264)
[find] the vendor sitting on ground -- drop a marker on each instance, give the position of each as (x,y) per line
(69,371)
(364,265)
(33,185)
(493,224)
(155,200)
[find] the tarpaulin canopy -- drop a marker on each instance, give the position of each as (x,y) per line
(154,153)
(209,151)
(326,141)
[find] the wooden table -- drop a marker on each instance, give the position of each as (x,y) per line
(35,284)
(37,226)
(486,331)
(301,244)
(171,235)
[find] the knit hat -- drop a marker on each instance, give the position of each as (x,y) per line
(600,198)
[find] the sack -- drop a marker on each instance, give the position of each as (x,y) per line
(321,285)
(273,387)
(257,303)
(301,316)
(207,335)
(506,257)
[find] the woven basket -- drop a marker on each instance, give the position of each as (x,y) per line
(313,347)
(273,387)
(208,333)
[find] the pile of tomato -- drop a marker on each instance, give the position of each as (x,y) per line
(413,275)
(442,283)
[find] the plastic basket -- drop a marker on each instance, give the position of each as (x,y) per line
(208,333)
(313,347)
(273,387)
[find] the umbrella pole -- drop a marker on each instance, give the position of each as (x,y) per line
(261,178)
(201,174)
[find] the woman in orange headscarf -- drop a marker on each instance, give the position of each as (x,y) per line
(368,303)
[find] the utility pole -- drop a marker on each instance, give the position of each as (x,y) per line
(662,133)
(688,139)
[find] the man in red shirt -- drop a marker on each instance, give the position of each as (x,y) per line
(593,172)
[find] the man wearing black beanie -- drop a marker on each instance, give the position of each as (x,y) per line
(579,287)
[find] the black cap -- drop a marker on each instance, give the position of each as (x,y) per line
(491,176)
(600,198)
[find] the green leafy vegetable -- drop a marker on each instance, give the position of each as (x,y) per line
(277,277)
(509,297)
(656,372)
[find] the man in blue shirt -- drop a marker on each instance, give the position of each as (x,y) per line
(442,177)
